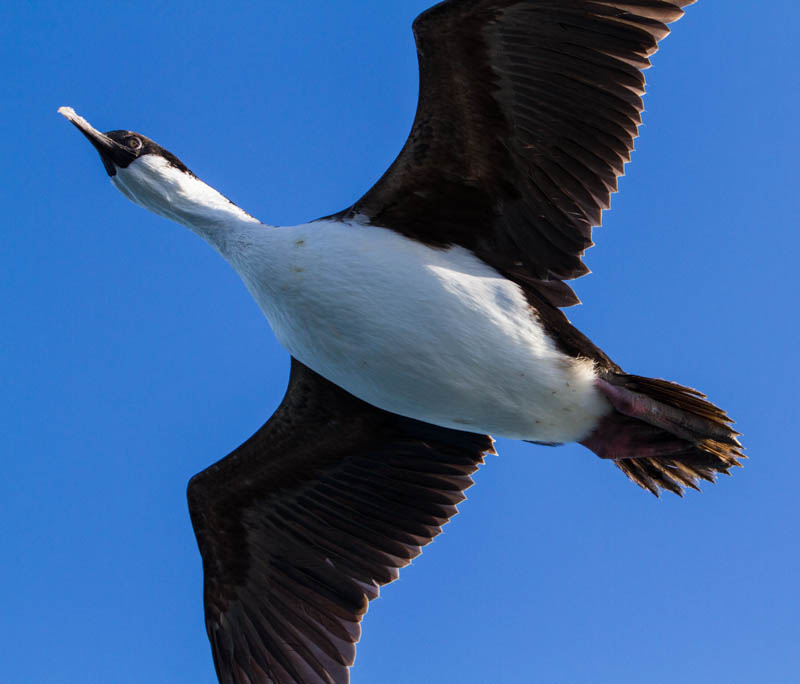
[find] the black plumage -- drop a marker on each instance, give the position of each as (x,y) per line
(301,525)
(527,114)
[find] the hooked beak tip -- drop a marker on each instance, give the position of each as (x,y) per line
(71,115)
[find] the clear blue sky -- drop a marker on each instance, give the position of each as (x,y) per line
(132,357)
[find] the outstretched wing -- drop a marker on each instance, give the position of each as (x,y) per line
(527,114)
(300,526)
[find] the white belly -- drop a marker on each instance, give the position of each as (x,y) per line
(435,335)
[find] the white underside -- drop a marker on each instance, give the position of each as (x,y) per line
(431,334)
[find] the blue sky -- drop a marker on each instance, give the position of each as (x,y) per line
(132,357)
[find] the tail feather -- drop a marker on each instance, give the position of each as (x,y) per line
(685,400)
(664,436)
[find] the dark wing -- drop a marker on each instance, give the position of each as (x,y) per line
(527,114)
(300,526)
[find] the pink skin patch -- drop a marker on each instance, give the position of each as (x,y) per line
(640,427)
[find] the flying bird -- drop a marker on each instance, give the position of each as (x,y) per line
(423,318)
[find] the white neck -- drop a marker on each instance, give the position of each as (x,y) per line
(153,183)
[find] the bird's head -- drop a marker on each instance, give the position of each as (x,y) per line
(144,171)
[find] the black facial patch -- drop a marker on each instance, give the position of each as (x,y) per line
(134,145)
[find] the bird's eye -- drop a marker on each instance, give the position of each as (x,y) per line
(134,143)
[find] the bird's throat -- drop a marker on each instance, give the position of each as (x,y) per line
(154,184)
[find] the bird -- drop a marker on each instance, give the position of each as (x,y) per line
(424,320)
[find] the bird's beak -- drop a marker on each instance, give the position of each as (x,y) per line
(111,152)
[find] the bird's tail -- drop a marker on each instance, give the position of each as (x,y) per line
(663,435)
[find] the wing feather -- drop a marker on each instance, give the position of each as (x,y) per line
(527,114)
(301,525)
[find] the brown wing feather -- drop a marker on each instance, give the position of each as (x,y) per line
(527,114)
(300,525)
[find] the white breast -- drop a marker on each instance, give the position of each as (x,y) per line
(432,334)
